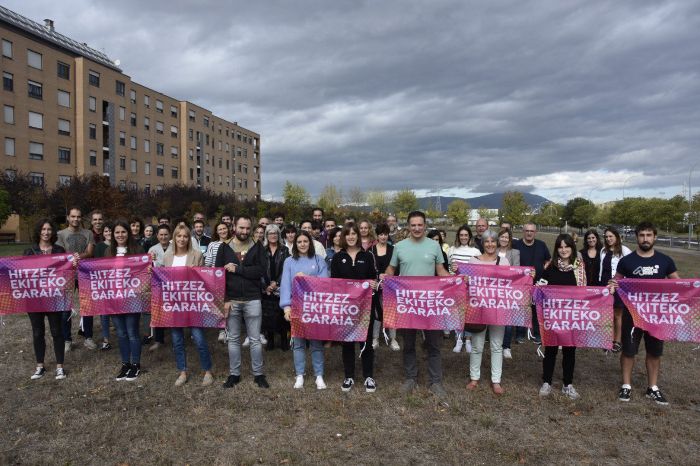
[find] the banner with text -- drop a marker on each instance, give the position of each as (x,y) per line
(424,303)
(187,297)
(580,316)
(668,309)
(114,285)
(498,295)
(331,309)
(36,283)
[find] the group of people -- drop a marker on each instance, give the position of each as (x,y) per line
(261,259)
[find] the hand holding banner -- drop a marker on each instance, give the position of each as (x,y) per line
(424,303)
(36,283)
(580,316)
(331,309)
(498,295)
(114,285)
(668,309)
(187,297)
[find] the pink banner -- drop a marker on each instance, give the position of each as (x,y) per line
(36,283)
(187,297)
(114,285)
(424,303)
(331,309)
(580,316)
(498,295)
(668,309)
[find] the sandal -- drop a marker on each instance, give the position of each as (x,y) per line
(497,389)
(472,385)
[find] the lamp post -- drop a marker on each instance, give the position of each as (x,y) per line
(690,205)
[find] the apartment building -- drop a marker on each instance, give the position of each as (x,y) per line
(69,110)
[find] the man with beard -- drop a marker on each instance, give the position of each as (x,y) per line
(645,263)
(245,263)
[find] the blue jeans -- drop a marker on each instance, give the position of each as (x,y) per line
(520,332)
(299,345)
(178,335)
(251,311)
(128,335)
(104,320)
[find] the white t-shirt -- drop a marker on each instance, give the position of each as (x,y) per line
(179,261)
(121,251)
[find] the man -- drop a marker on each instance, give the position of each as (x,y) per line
(316,229)
(533,253)
(306,225)
(81,243)
(481,226)
(279,220)
(420,256)
(200,216)
(97,223)
(227,219)
(328,225)
(508,226)
(199,239)
(317,214)
(264,222)
(394,228)
(245,263)
(349,219)
(644,263)
(163,219)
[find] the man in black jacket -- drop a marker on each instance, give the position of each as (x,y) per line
(245,264)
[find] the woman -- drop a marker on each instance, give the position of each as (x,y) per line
(149,238)
(435,236)
(462,251)
(443,237)
(289,233)
(259,234)
(355,263)
(334,239)
(101,251)
(591,256)
(490,256)
(221,235)
(568,270)
(45,243)
(303,261)
(366,235)
(136,227)
(182,254)
(273,318)
(505,250)
(382,251)
(610,256)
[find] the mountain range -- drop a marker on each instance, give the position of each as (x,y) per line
(489,201)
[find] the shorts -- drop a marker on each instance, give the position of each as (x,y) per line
(631,340)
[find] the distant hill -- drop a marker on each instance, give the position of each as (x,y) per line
(490,201)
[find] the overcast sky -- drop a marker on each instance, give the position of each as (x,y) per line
(560,98)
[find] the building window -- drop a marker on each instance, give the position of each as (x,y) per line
(6,48)
(173,151)
(122,185)
(122,113)
(63,70)
(190,152)
(206,139)
(122,163)
(92,131)
(36,151)
(64,99)
(173,173)
(34,59)
(146,145)
(160,148)
(132,119)
(64,180)
(160,171)
(132,96)
(9,114)
(92,104)
(146,101)
(134,165)
(147,123)
(192,115)
(173,111)
(147,168)
(36,120)
(191,173)
(159,127)
(220,162)
(7,81)
(93,158)
(173,131)
(37,179)
(221,181)
(10,147)
(228,165)
(94,78)
(190,134)
(133,142)
(120,88)
(35,90)
(159,106)
(63,127)
(122,138)
(63,155)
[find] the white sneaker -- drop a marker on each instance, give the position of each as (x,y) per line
(507,354)
(39,373)
(545,389)
(246,342)
(60,373)
(222,336)
(90,344)
(299,382)
(320,383)
(570,391)
(375,343)
(263,340)
(394,345)
(458,346)
(154,346)
(67,346)
(468,346)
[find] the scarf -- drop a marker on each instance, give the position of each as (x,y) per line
(578,268)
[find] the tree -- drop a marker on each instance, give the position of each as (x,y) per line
(579,212)
(433,214)
(549,215)
(485,213)
(296,197)
(329,199)
(514,208)
(356,196)
(379,201)
(5,209)
(458,212)
(405,201)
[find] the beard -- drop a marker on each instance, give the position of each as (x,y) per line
(242,237)
(646,246)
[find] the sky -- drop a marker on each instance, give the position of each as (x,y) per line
(458,98)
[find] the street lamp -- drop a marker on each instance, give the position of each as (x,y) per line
(690,204)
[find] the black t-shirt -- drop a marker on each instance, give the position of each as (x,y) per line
(534,255)
(635,266)
(554,276)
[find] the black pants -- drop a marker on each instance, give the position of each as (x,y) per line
(367,356)
(568,362)
(38,330)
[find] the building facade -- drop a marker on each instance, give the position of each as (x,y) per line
(69,110)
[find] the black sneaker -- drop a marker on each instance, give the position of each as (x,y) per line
(134,372)
(657,396)
(124,370)
(39,373)
(106,346)
(261,381)
(625,394)
(347,385)
(370,385)
(232,380)
(80,332)
(147,340)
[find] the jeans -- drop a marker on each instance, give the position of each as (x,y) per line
(38,330)
(496,341)
(251,311)
(433,340)
(128,335)
(178,335)
(299,345)
(104,321)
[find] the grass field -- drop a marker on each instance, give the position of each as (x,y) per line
(91,419)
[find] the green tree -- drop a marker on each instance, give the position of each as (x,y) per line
(5,209)
(330,199)
(458,211)
(549,215)
(514,208)
(405,201)
(579,212)
(379,201)
(296,197)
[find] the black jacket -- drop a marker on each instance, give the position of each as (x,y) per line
(245,284)
(35,250)
(364,267)
(280,255)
